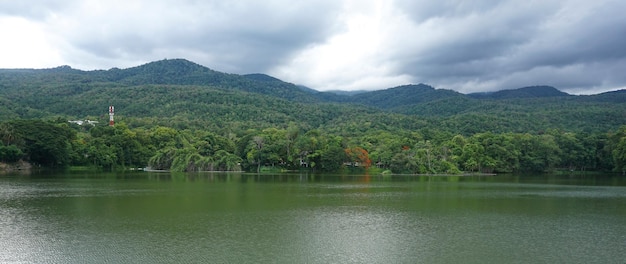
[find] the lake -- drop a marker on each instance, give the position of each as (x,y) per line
(143,217)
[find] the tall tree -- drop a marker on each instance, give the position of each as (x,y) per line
(44,143)
(258,142)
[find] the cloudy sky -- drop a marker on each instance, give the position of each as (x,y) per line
(578,46)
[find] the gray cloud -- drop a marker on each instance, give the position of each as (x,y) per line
(514,44)
(576,46)
(223,34)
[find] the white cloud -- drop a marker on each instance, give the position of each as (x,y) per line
(479,45)
(26,45)
(356,58)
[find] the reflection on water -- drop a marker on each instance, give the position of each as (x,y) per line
(306,218)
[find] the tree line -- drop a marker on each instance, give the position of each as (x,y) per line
(412,151)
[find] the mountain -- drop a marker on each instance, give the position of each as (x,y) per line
(172,71)
(176,93)
(183,94)
(402,96)
(618,96)
(184,72)
(525,92)
(261,77)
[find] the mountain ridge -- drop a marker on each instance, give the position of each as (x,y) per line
(175,88)
(185,72)
(523,92)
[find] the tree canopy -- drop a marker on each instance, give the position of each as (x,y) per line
(177,115)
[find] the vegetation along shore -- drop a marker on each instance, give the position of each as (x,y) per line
(177,115)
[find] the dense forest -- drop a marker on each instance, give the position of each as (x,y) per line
(178,115)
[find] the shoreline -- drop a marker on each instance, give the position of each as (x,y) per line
(19,166)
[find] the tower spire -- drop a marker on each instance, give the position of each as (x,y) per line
(111,113)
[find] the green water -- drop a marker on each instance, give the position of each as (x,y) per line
(301,218)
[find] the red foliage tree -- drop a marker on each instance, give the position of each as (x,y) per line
(358,155)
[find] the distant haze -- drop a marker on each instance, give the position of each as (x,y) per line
(467,46)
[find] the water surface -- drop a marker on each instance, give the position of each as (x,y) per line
(304,218)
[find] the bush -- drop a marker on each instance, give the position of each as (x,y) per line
(10,153)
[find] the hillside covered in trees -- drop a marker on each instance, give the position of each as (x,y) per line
(178,115)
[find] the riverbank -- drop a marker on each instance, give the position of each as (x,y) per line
(15,166)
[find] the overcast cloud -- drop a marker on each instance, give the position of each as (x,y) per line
(578,46)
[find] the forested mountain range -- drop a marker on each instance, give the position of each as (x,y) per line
(177,90)
(525,92)
(178,115)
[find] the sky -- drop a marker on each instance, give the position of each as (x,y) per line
(577,46)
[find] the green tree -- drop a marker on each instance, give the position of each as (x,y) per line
(404,162)
(619,156)
(258,143)
(331,155)
(44,143)
(10,153)
(307,147)
(617,148)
